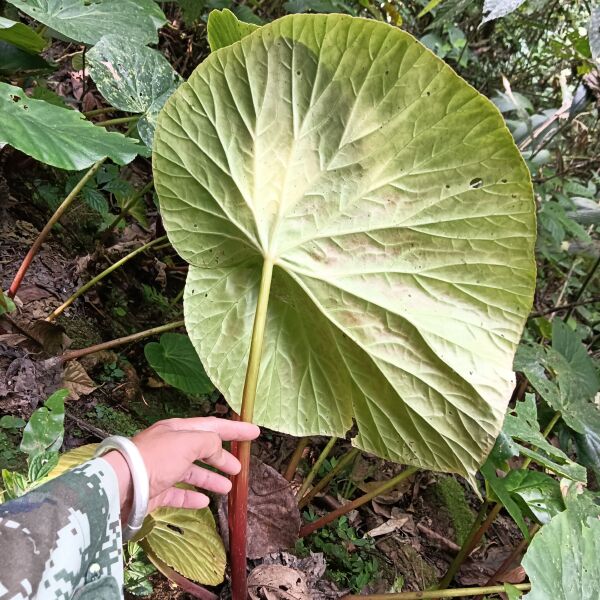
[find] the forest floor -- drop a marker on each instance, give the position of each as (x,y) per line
(413,531)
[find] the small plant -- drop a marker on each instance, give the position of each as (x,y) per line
(351,560)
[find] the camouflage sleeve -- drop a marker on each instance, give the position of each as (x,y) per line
(63,539)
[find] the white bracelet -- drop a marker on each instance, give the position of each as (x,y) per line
(139,476)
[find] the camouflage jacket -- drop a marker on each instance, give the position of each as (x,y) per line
(63,539)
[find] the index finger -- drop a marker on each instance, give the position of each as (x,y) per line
(227,430)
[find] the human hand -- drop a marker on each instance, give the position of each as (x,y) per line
(169,449)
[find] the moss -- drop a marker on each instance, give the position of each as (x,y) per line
(81,330)
(10,456)
(114,421)
(413,567)
(451,496)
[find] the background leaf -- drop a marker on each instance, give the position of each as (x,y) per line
(88,21)
(562,560)
(224,29)
(376,229)
(45,429)
(494,9)
(521,425)
(187,540)
(21,36)
(132,78)
(176,361)
(58,136)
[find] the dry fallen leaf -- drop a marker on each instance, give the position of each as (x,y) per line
(77,381)
(276,582)
(273,515)
(389,526)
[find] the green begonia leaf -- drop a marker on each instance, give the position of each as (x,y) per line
(85,21)
(224,29)
(21,36)
(45,429)
(564,375)
(562,560)
(522,425)
(132,78)
(398,215)
(176,361)
(58,136)
(503,495)
(538,492)
(188,541)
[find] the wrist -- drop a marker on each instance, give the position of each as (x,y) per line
(121,469)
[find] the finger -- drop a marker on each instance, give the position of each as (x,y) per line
(207,480)
(207,447)
(179,498)
(227,430)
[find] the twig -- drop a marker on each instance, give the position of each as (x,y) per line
(316,467)
(430,594)
(92,282)
(73,354)
(346,508)
(49,225)
(296,456)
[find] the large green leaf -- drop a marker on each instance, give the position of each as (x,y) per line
(176,361)
(562,560)
(132,78)
(187,540)
(21,36)
(58,136)
(522,425)
(224,29)
(88,20)
(399,218)
(45,429)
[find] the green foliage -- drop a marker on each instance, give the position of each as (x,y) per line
(176,361)
(521,427)
(351,560)
(114,421)
(562,560)
(357,208)
(84,21)
(133,78)
(45,429)
(224,29)
(57,136)
(137,571)
(6,304)
(21,36)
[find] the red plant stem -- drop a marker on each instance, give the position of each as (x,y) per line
(238,538)
(516,552)
(346,508)
(14,287)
